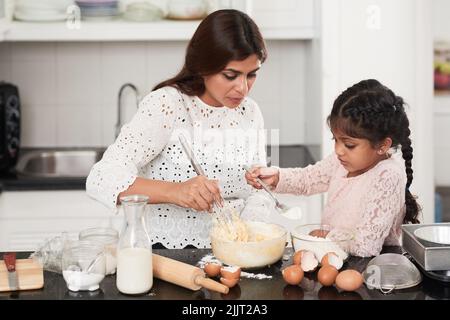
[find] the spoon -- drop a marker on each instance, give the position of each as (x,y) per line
(278,204)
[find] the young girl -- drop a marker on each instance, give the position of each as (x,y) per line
(368,190)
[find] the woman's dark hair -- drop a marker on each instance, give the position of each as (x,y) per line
(223,36)
(369,110)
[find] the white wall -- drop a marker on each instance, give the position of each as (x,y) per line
(441,19)
(389,41)
(69,90)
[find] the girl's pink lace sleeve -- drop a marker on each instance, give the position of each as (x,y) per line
(309,180)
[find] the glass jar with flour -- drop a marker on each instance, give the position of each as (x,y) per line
(134,251)
(83,265)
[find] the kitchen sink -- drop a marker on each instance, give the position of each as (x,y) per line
(58,163)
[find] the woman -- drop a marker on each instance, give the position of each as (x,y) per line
(206,102)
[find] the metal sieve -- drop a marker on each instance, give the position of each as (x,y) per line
(391,271)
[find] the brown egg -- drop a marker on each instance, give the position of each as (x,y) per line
(293,274)
(230,272)
(349,280)
(298,255)
(230,283)
(319,233)
(212,269)
(332,259)
(327,275)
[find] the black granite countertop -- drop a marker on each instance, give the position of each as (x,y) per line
(248,289)
(287,156)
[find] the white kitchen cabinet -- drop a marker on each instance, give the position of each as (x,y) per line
(3,29)
(28,218)
(293,19)
(288,19)
(6,10)
(4,26)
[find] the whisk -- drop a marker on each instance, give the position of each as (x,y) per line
(222,217)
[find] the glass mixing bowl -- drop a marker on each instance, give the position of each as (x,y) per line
(338,242)
(252,254)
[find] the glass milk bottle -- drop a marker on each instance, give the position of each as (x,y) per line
(134,252)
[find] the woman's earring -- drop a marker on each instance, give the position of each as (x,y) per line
(380,152)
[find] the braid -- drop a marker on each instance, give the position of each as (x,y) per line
(412,207)
(407,156)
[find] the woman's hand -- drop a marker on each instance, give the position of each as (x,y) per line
(198,193)
(270,176)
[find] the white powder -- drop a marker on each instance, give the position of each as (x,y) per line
(255,275)
(79,280)
(209,258)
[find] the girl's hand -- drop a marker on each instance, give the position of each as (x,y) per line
(198,193)
(270,176)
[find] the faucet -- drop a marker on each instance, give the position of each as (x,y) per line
(119,105)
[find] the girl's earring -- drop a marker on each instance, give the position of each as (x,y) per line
(380,152)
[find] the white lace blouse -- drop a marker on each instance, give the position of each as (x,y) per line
(222,139)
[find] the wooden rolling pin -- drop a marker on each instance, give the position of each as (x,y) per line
(184,275)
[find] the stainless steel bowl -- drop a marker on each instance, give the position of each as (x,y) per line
(437,234)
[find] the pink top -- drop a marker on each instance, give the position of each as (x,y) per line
(372,204)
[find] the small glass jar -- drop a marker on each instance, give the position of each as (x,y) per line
(83,265)
(109,238)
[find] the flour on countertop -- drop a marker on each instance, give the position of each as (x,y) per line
(209,258)
(255,275)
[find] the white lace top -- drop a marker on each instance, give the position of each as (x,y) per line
(371,205)
(222,140)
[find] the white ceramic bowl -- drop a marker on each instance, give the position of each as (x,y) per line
(251,255)
(434,234)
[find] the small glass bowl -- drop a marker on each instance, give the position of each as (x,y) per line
(109,238)
(332,242)
(83,265)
